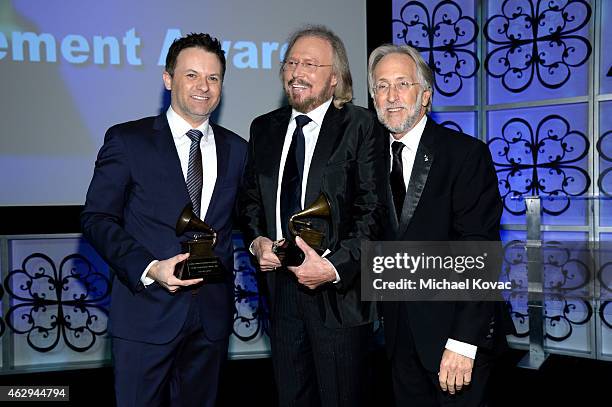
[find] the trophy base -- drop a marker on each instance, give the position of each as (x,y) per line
(210,270)
(290,257)
(289,254)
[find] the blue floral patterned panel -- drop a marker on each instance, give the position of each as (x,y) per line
(604,277)
(542,151)
(605,77)
(537,49)
(464,122)
(58,294)
(604,151)
(445,33)
(567,270)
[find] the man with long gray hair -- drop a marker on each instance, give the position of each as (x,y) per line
(319,144)
(444,188)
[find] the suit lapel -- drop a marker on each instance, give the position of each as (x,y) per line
(222,150)
(330,131)
(418,178)
(170,160)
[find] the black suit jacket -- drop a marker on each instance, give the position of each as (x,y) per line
(134,200)
(348,165)
(452,195)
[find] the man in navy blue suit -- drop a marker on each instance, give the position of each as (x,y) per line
(170,336)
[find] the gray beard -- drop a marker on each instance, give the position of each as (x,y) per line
(308,105)
(410,120)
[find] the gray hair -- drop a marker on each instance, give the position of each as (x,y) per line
(344,89)
(424,74)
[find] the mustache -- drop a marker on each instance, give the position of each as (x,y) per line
(298,81)
(395,106)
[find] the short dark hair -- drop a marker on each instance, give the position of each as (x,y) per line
(198,40)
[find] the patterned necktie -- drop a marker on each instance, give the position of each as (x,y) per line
(291,186)
(194,170)
(398,188)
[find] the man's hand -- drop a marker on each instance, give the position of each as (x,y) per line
(262,248)
(163,273)
(315,270)
(455,371)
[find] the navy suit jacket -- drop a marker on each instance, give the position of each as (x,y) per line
(134,200)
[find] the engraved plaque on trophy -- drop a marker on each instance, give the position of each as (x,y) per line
(202,262)
(300,224)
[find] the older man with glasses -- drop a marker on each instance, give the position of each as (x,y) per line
(320,143)
(444,188)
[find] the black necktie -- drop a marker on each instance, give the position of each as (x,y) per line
(194,170)
(291,186)
(398,188)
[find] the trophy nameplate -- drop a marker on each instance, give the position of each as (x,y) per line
(286,250)
(202,262)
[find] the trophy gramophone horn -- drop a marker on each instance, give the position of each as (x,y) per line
(189,222)
(320,208)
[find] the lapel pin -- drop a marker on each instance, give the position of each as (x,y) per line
(425,157)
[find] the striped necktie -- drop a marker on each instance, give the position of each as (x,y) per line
(194,170)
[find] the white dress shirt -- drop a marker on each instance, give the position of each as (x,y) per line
(411,140)
(311,135)
(179,128)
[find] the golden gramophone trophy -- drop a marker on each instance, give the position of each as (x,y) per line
(300,224)
(202,262)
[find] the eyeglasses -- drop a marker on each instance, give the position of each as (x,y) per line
(309,67)
(400,86)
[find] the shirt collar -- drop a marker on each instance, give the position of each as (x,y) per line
(179,126)
(412,137)
(315,115)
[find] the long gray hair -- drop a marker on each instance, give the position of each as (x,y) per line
(344,89)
